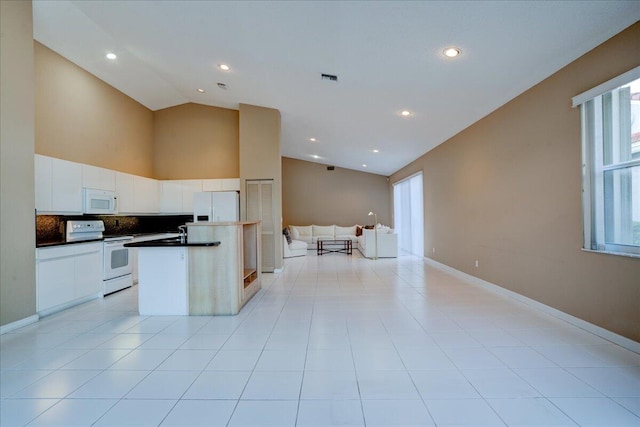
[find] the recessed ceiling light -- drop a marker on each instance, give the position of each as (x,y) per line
(315,156)
(376,151)
(364,166)
(111,55)
(452,52)
(200,90)
(405,113)
(224,67)
(312,139)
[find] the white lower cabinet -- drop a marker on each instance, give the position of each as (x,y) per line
(145,238)
(88,274)
(164,281)
(67,275)
(56,282)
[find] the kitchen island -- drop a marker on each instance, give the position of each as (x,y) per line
(214,271)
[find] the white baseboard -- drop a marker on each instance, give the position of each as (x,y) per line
(582,324)
(58,308)
(18,324)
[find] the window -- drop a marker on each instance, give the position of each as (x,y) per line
(610,117)
(407,214)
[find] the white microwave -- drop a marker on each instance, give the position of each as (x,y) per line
(100,201)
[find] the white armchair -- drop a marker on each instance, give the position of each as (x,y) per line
(293,249)
(387,244)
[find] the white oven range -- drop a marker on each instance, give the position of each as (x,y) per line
(118,264)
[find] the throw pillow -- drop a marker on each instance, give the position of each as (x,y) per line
(287,235)
(369,227)
(358,231)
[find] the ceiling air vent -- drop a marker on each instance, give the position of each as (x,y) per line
(330,168)
(330,77)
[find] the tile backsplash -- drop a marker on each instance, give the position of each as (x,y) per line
(51,228)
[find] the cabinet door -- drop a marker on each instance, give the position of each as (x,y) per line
(171,197)
(211,185)
(66,186)
(163,287)
(42,166)
(189,188)
(98,178)
(55,282)
(260,207)
(124,188)
(231,184)
(88,273)
(146,193)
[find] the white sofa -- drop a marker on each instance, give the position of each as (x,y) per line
(387,243)
(293,249)
(310,234)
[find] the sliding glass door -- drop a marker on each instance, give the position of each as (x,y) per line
(408,218)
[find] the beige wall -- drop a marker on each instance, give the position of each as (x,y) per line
(17,231)
(311,194)
(260,159)
(507,192)
(194,141)
(81,118)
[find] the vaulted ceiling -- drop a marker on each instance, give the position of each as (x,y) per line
(387,56)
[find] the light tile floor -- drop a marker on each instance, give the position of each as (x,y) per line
(331,340)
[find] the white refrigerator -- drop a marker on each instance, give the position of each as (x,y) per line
(216,206)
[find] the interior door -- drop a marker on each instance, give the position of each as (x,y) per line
(260,207)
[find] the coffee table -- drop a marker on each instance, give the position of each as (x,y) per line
(342,246)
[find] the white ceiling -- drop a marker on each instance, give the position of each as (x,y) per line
(387,55)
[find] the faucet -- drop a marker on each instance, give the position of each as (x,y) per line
(182,229)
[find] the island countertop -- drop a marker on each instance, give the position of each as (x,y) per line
(171,242)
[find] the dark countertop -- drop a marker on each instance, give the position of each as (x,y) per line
(48,244)
(171,242)
(64,242)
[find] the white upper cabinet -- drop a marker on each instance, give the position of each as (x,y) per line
(98,178)
(211,185)
(176,196)
(170,196)
(227,184)
(43,183)
(58,185)
(124,188)
(137,194)
(189,187)
(231,184)
(66,186)
(146,194)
